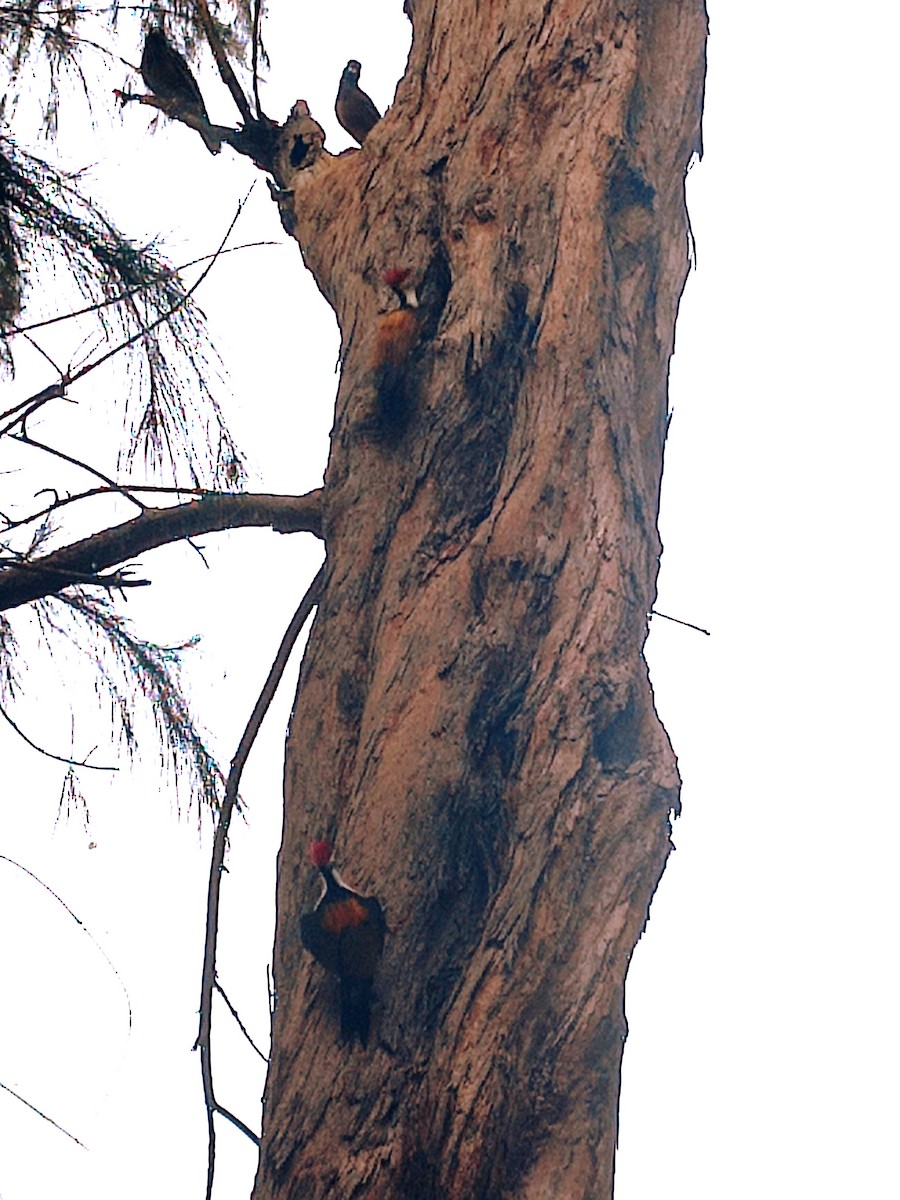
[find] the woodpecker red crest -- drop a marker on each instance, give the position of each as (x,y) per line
(353,108)
(395,278)
(321,854)
(345,933)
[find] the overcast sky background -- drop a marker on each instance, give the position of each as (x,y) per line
(762,1054)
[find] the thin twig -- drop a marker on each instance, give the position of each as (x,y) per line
(61,501)
(27,440)
(71,762)
(41,579)
(654,613)
(43,353)
(238,1123)
(174,111)
(126,295)
(56,390)
(257,12)
(217,863)
(116,489)
(211,1150)
(35,1109)
(180,303)
(240,1023)
(12,862)
(228,76)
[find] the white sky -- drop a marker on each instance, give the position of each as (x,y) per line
(762,1055)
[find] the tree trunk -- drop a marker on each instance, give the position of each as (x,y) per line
(475,727)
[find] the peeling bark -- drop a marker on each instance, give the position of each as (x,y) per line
(475,727)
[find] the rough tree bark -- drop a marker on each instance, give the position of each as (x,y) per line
(474,725)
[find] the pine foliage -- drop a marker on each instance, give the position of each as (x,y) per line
(62,258)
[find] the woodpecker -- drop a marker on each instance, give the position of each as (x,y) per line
(169,78)
(398,334)
(345,933)
(353,108)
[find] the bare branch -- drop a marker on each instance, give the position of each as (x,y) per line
(27,440)
(35,1109)
(228,76)
(13,330)
(71,762)
(257,13)
(66,379)
(23,410)
(240,1023)
(180,303)
(173,110)
(43,353)
(115,490)
(211,1151)
(256,139)
(236,1121)
(654,613)
(22,582)
(13,863)
(217,864)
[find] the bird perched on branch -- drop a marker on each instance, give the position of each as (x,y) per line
(169,78)
(353,108)
(398,334)
(345,933)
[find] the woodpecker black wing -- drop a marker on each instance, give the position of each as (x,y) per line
(169,78)
(361,937)
(321,944)
(361,946)
(346,936)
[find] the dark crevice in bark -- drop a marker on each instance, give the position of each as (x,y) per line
(471,830)
(466,466)
(617,735)
(420,1179)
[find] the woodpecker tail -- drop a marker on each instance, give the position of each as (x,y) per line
(392,391)
(356,1009)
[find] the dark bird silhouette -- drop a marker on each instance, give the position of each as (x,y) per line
(345,933)
(353,108)
(169,78)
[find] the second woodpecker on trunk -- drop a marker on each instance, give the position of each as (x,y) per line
(345,933)
(395,344)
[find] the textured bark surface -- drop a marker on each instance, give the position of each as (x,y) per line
(474,727)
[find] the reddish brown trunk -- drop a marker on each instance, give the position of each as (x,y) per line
(475,727)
